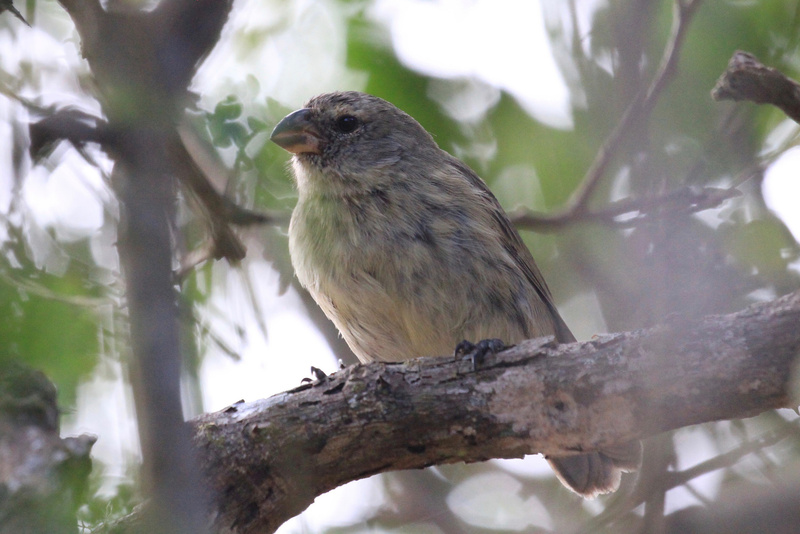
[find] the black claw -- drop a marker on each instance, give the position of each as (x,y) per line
(318,373)
(464,348)
(478,351)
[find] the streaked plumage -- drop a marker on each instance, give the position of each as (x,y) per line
(408,252)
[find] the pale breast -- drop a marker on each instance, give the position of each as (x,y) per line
(414,288)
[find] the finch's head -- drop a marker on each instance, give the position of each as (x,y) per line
(354,139)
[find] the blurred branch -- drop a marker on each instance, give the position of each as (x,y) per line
(684,200)
(142,62)
(768,439)
(39,290)
(205,177)
(668,480)
(196,170)
(269,459)
(198,159)
(67,124)
(748,79)
(638,112)
(751,508)
(8,5)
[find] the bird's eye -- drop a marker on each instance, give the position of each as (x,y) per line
(347,123)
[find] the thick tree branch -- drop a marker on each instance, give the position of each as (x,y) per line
(269,459)
(748,79)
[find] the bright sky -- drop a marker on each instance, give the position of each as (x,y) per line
(782,189)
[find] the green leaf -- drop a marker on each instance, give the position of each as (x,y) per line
(256,125)
(228,109)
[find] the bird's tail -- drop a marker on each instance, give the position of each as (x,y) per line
(595,473)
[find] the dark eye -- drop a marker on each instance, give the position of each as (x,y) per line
(347,123)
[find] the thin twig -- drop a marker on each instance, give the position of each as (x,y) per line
(674,479)
(768,439)
(29,286)
(638,111)
(686,199)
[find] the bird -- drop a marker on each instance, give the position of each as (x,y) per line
(409,253)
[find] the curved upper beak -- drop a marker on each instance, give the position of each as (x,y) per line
(297,134)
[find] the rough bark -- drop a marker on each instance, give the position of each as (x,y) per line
(43,477)
(269,459)
(746,78)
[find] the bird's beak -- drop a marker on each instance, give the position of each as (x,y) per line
(297,134)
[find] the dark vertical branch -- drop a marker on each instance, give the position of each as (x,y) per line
(142,63)
(147,193)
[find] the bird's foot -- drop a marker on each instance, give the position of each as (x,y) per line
(318,373)
(478,351)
